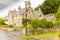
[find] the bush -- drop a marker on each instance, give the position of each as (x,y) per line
(10,26)
(50,24)
(43,23)
(29,26)
(34,23)
(24,21)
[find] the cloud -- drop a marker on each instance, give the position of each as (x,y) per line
(1,5)
(12,4)
(4,3)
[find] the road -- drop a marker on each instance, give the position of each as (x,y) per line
(10,35)
(3,35)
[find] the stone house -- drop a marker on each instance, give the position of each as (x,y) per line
(15,17)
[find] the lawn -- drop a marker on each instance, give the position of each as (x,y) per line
(5,26)
(40,35)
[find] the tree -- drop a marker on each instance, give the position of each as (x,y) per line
(49,6)
(57,15)
(1,21)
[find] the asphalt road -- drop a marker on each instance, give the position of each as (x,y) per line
(10,35)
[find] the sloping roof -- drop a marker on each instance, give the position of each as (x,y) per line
(38,13)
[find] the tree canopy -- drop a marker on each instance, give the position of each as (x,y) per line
(57,15)
(1,21)
(49,6)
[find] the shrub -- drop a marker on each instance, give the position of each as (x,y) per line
(34,23)
(43,23)
(50,24)
(10,26)
(29,26)
(24,21)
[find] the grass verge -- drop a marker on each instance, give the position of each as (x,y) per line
(40,35)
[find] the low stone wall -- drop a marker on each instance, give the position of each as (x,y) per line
(38,31)
(41,31)
(57,29)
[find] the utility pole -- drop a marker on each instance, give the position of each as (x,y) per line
(26,24)
(27,4)
(26,17)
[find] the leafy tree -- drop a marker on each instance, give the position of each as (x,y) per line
(57,15)
(49,6)
(2,24)
(1,21)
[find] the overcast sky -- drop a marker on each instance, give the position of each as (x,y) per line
(6,5)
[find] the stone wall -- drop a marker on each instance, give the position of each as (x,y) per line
(38,31)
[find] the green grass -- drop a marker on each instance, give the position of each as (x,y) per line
(5,26)
(40,35)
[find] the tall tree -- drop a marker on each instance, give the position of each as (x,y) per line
(49,6)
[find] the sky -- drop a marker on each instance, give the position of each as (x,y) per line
(6,5)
